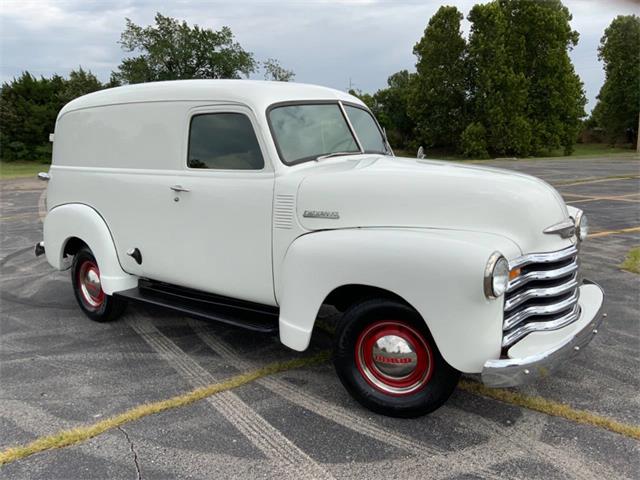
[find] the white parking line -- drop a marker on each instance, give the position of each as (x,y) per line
(278,449)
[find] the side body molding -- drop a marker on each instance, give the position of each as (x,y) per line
(438,272)
(78,220)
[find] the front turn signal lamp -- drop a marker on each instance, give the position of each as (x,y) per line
(513,274)
(496,276)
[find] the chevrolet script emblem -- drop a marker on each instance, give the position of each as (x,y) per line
(321,214)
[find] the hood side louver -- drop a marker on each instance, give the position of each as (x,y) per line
(283,211)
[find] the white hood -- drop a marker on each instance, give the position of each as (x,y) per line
(381,191)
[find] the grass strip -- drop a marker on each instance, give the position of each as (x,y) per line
(73,436)
(584,181)
(606,233)
(552,408)
(632,262)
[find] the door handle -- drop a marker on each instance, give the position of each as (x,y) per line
(178,188)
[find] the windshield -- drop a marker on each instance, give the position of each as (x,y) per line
(312,131)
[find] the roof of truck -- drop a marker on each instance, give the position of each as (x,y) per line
(254,93)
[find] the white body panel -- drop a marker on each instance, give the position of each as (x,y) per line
(422,230)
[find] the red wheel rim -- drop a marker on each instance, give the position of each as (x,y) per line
(394,358)
(89,285)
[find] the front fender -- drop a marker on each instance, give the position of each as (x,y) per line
(438,272)
(81,221)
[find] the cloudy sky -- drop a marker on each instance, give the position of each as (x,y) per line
(327,42)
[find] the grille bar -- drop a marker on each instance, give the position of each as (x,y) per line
(544,296)
(517,333)
(542,275)
(545,257)
(541,310)
(525,295)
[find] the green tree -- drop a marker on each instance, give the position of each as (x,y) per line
(437,104)
(618,105)
(391,107)
(522,86)
(497,91)
(28,110)
(29,107)
(80,82)
(172,50)
(540,40)
(274,71)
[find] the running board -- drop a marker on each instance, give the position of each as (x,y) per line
(205,306)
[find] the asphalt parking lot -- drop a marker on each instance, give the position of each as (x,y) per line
(58,370)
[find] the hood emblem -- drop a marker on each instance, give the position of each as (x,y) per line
(321,214)
(566,229)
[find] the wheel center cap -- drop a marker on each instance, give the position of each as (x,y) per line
(394,356)
(92,282)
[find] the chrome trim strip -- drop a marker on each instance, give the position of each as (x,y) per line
(516,300)
(353,130)
(488,275)
(515,335)
(542,275)
(548,257)
(510,372)
(553,308)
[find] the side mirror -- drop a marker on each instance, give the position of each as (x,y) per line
(420,152)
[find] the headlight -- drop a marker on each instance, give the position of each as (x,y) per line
(496,276)
(582,225)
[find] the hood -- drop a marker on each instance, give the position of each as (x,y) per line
(381,191)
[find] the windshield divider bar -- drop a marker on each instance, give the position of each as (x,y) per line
(351,129)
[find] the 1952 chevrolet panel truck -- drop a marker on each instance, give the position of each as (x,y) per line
(254,203)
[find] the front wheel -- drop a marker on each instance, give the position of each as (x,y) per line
(386,358)
(87,287)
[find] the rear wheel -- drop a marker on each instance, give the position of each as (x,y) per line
(386,358)
(87,287)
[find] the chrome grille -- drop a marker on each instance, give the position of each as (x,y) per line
(544,296)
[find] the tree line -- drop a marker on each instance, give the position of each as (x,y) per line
(167,50)
(510,89)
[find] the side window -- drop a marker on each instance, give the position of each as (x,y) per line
(223,141)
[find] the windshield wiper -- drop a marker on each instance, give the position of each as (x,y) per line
(336,154)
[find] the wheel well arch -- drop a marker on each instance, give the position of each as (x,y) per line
(72,246)
(344,296)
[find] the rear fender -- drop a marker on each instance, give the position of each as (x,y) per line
(75,220)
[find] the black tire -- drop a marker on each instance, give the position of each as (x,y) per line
(435,380)
(95,304)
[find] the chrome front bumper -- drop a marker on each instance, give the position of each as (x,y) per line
(539,353)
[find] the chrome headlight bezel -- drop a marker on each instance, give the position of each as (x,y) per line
(496,276)
(582,226)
